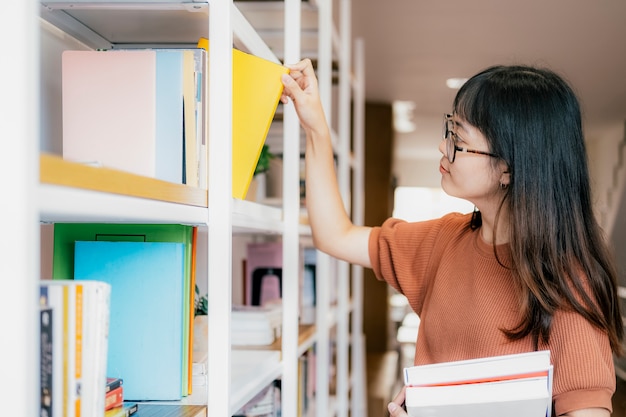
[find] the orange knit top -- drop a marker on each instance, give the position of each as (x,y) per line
(463,297)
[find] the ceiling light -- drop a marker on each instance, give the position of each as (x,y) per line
(455,83)
(403,116)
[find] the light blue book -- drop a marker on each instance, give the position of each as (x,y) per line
(169,115)
(146,321)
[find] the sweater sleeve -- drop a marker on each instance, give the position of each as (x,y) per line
(584,375)
(405,254)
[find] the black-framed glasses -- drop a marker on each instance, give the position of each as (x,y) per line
(451,139)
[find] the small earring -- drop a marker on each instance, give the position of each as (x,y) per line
(504,186)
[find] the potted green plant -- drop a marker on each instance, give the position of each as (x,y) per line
(201,304)
(257,189)
(263,164)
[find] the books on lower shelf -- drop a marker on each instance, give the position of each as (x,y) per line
(66,234)
(508,385)
(79,334)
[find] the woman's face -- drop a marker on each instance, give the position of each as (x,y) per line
(472,176)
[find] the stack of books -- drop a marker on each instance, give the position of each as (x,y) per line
(265,404)
(256,325)
(114,396)
(74,342)
(518,385)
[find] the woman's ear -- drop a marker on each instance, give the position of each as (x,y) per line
(505,176)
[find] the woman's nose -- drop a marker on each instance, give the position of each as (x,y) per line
(442,147)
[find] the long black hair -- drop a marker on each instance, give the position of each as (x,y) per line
(531,118)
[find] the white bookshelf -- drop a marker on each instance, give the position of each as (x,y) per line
(107,24)
(18,161)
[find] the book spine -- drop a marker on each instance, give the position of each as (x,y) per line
(55,300)
(78,348)
(96,297)
(67,353)
(190,125)
(103,292)
(45,361)
(131,409)
(113,383)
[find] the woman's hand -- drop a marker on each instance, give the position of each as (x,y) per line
(395,407)
(333,231)
(396,411)
(300,85)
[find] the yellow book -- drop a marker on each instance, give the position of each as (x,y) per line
(257,87)
(125,410)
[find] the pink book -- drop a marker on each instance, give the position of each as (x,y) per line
(109,101)
(263,272)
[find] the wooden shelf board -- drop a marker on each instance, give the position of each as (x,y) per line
(161,410)
(54,170)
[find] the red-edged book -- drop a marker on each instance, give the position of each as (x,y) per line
(114,398)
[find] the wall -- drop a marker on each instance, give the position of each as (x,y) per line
(608,171)
(378,207)
(53,42)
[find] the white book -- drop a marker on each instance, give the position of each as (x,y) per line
(199,380)
(200,362)
(245,316)
(476,369)
(507,385)
(96,296)
(527,397)
(253,337)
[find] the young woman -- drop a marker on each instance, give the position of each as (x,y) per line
(528,270)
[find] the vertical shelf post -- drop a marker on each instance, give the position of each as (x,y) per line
(220,207)
(323,262)
(291,213)
(19,169)
(344,169)
(359,398)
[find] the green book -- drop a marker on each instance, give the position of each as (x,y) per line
(66,234)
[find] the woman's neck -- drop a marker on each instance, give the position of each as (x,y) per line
(489,225)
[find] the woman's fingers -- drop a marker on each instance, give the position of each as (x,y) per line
(396,411)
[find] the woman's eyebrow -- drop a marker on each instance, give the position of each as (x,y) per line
(458,123)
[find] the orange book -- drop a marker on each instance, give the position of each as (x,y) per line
(192,310)
(257,87)
(78,347)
